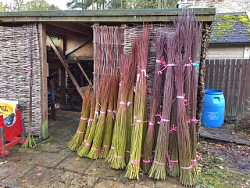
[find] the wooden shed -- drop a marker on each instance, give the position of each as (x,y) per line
(25,36)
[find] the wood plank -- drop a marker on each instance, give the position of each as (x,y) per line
(77,46)
(221,84)
(211,74)
(216,73)
(206,80)
(226,81)
(44,66)
(231,85)
(240,107)
(235,88)
(62,70)
(85,75)
(247,87)
(65,66)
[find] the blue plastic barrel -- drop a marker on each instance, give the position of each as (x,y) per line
(213,108)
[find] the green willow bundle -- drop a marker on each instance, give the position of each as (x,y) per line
(140,110)
(110,118)
(158,169)
(155,103)
(77,139)
(182,125)
(85,147)
(117,154)
(130,108)
(96,136)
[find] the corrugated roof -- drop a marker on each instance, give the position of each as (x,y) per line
(233,28)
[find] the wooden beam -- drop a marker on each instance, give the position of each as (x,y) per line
(63,72)
(74,27)
(44,66)
(62,31)
(71,59)
(84,73)
(65,66)
(77,46)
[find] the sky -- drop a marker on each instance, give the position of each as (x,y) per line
(60,3)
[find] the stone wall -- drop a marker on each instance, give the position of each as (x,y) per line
(19,46)
(222,6)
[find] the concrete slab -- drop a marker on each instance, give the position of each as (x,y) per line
(74,163)
(22,155)
(169,182)
(101,169)
(10,171)
(104,183)
(39,177)
(46,159)
(74,180)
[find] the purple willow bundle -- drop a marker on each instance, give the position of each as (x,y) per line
(173,153)
(193,98)
(154,103)
(183,135)
(158,169)
(116,156)
(140,109)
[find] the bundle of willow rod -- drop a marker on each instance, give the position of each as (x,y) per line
(155,102)
(97,136)
(158,169)
(140,109)
(77,139)
(194,80)
(130,108)
(30,141)
(173,153)
(110,118)
(182,125)
(117,154)
(90,120)
(85,147)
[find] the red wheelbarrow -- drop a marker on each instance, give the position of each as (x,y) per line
(11,135)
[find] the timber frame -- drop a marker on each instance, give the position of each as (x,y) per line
(77,26)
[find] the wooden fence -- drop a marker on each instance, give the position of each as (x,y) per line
(232,76)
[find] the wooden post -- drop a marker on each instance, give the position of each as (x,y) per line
(44,66)
(65,66)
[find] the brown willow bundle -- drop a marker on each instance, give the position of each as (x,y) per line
(77,139)
(173,153)
(110,118)
(193,99)
(85,147)
(140,109)
(158,169)
(94,153)
(182,125)
(91,118)
(154,103)
(117,154)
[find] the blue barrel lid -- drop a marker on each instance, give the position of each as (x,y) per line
(213,92)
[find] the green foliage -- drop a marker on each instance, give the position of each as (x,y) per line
(1,7)
(38,5)
(121,4)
